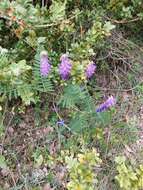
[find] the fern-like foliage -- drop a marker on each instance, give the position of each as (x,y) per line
(72,96)
(76,96)
(83,106)
(78,122)
(83,109)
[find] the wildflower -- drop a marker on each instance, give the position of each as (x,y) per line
(65,67)
(45,66)
(90,70)
(61,122)
(111,101)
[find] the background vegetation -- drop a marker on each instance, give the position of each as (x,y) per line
(82,132)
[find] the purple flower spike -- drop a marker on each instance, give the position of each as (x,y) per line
(45,66)
(65,67)
(111,101)
(90,70)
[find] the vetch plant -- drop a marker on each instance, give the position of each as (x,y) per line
(45,66)
(32,81)
(65,67)
(90,70)
(111,101)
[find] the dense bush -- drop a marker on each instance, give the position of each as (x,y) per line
(70,69)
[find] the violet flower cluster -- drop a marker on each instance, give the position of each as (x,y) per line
(111,101)
(65,67)
(90,70)
(45,66)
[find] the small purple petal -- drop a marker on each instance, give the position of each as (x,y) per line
(90,70)
(45,66)
(111,101)
(65,67)
(61,123)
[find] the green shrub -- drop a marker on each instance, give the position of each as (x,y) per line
(81,170)
(129,177)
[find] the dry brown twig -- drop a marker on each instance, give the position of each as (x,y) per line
(124,21)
